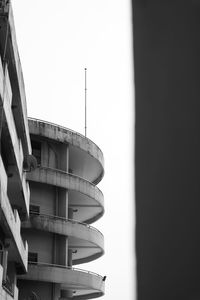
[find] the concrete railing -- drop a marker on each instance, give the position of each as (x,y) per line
(88,283)
(75,140)
(65,267)
(71,221)
(64,129)
(59,178)
(74,176)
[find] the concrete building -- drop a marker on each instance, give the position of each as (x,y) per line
(15,148)
(64,201)
(63,198)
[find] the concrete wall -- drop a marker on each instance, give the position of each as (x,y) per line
(43,290)
(41,243)
(54,155)
(64,135)
(49,190)
(43,195)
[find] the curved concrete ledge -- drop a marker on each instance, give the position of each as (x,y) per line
(77,280)
(68,136)
(71,182)
(89,241)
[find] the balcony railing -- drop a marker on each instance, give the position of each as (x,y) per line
(71,175)
(65,267)
(64,129)
(72,221)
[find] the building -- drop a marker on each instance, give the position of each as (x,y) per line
(15,149)
(64,196)
(64,201)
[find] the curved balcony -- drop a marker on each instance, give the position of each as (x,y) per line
(83,284)
(86,241)
(85,158)
(82,193)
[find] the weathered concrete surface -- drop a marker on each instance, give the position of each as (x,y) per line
(12,141)
(67,181)
(67,136)
(17,84)
(12,224)
(88,240)
(68,278)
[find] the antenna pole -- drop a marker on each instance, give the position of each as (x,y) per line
(85,101)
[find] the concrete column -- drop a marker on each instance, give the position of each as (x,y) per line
(44,154)
(62,241)
(62,207)
(55,291)
(70,213)
(63,159)
(67,162)
(63,203)
(69,262)
(56,208)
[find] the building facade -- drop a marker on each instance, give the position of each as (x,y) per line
(15,148)
(64,201)
(53,214)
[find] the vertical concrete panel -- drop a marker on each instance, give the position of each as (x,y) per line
(44,154)
(49,155)
(41,243)
(63,157)
(43,195)
(63,203)
(62,250)
(70,213)
(56,291)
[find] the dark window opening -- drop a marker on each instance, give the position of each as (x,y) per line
(32,257)
(34,209)
(36,151)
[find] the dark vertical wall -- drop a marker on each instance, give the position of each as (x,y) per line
(167,83)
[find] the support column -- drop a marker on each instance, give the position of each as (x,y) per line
(70,213)
(55,291)
(69,262)
(62,241)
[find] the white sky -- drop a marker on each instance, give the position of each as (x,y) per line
(57,40)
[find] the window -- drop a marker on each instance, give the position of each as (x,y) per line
(34,209)
(32,257)
(36,151)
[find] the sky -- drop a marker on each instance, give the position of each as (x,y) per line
(57,40)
